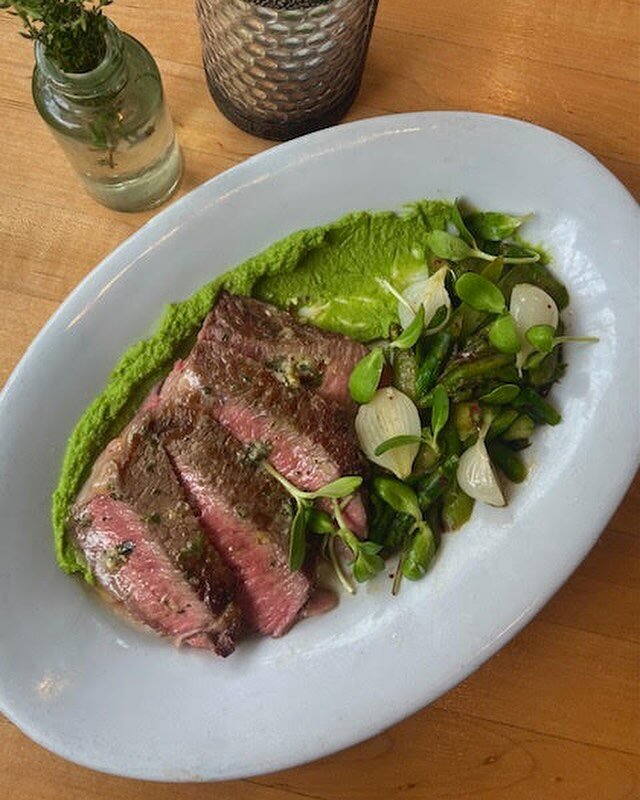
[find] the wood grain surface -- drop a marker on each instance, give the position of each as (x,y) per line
(556,713)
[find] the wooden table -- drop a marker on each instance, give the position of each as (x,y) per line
(555,713)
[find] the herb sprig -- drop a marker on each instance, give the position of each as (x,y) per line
(366,562)
(72,31)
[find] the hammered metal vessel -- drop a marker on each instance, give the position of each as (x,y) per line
(282,68)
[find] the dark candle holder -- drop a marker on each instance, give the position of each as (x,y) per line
(282,68)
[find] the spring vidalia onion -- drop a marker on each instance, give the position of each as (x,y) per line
(390,413)
(431,294)
(531,306)
(476,476)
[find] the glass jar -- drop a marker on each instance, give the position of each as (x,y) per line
(112,123)
(282,68)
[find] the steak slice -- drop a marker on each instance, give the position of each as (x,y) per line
(246,513)
(299,354)
(309,440)
(145,546)
(132,566)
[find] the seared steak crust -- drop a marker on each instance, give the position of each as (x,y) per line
(309,440)
(246,513)
(298,354)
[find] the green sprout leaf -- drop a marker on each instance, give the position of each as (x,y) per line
(367,563)
(319,522)
(420,553)
(398,495)
(439,411)
(396,441)
(480,293)
(501,395)
(494,226)
(342,487)
(365,377)
(503,334)
(541,337)
(306,517)
(458,221)
(445,245)
(412,332)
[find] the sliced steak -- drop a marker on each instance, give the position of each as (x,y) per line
(298,354)
(246,513)
(308,439)
(132,566)
(145,546)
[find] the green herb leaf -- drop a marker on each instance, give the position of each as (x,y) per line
(458,221)
(412,332)
(501,395)
(396,441)
(398,495)
(342,487)
(480,293)
(297,537)
(367,563)
(541,337)
(319,522)
(369,547)
(72,32)
(494,226)
(445,245)
(439,411)
(365,377)
(503,334)
(420,553)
